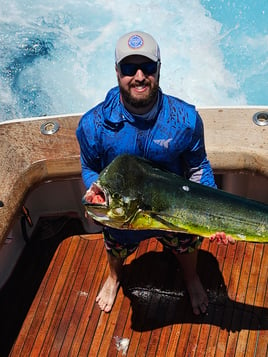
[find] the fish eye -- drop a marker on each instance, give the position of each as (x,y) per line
(116,196)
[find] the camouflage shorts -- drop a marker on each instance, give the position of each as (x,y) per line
(178,242)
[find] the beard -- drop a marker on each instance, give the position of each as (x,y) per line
(139,102)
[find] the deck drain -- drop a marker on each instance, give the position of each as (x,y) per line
(260,118)
(49,128)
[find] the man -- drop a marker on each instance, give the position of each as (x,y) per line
(137,118)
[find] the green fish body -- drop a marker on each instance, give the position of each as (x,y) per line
(141,196)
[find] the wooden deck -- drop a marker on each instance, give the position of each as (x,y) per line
(152,308)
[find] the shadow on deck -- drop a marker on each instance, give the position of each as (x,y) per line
(158,296)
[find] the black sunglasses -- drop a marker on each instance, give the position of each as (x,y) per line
(130,69)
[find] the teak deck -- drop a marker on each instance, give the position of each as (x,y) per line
(152,309)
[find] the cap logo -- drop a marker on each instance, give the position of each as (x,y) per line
(135,41)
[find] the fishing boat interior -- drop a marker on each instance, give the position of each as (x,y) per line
(53,261)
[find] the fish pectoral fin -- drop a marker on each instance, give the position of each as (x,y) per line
(162,219)
(152,220)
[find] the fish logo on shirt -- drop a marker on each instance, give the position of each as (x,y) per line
(163,142)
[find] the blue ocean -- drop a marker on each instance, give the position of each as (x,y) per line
(58,57)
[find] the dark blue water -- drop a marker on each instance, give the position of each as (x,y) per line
(59,58)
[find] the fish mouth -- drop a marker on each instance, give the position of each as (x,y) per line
(97,197)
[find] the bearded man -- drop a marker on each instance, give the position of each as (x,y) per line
(137,118)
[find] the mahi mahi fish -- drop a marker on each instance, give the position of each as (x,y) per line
(138,195)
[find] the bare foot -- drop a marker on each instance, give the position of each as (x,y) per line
(107,295)
(198,295)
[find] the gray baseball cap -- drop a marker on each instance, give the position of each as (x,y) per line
(137,43)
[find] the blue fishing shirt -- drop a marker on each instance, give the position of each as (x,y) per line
(174,138)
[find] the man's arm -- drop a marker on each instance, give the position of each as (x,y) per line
(197,165)
(89,157)
(198,169)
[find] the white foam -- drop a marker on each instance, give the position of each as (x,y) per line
(80,68)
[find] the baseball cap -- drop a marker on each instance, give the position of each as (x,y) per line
(137,43)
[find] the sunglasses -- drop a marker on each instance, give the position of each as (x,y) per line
(130,69)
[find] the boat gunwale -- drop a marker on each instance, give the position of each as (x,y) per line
(30,158)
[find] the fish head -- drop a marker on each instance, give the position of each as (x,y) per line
(117,208)
(125,186)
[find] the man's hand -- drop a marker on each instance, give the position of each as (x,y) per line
(222,238)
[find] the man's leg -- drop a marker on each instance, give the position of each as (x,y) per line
(116,254)
(185,248)
(198,296)
(107,295)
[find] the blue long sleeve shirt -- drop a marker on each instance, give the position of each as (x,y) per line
(174,138)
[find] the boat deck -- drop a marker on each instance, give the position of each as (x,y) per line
(152,310)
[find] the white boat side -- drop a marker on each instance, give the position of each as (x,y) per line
(42,172)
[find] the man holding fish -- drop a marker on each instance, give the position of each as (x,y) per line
(137,118)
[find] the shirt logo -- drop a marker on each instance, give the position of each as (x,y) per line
(163,142)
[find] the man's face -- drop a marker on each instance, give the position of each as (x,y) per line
(138,79)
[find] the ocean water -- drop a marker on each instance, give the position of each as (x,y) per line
(58,57)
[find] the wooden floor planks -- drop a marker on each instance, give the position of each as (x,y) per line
(152,309)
